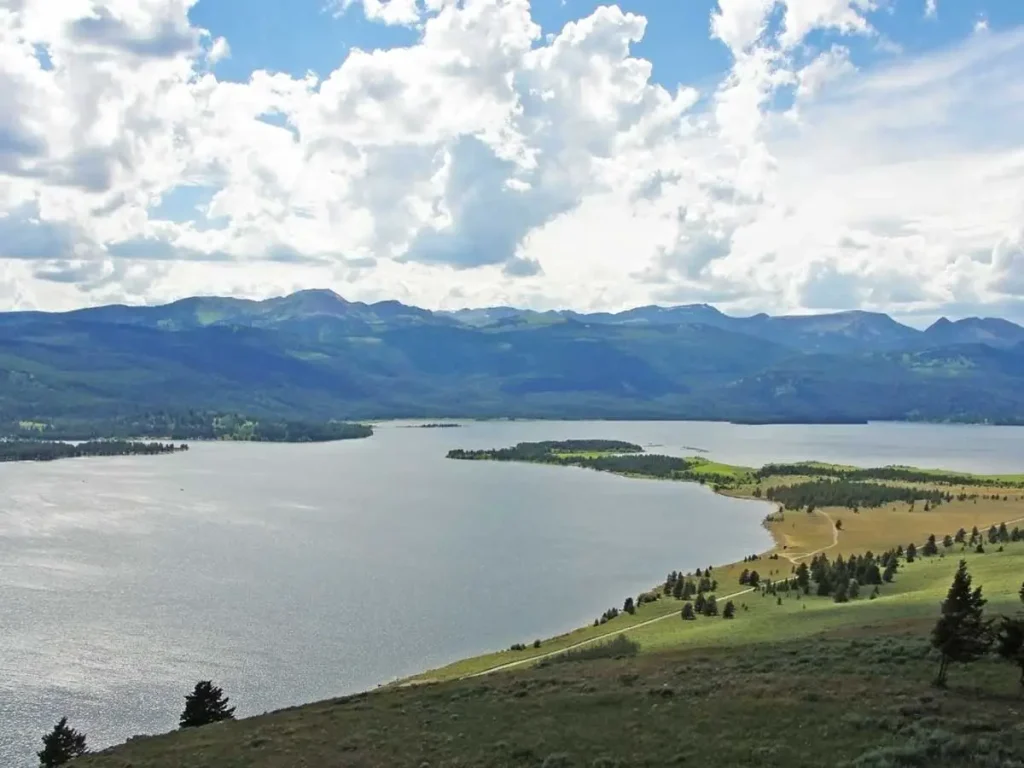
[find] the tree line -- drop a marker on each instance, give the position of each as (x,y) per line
(44,450)
(205,704)
(547,449)
(900,474)
(848,493)
(188,425)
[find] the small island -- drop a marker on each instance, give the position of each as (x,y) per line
(439,425)
(50,450)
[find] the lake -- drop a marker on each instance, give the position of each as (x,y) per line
(290,573)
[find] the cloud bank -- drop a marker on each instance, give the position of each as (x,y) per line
(489,163)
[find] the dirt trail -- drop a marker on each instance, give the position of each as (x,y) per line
(792,557)
(588,641)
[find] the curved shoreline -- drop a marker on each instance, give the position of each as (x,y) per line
(779,551)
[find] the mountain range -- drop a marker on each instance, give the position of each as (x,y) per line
(312,354)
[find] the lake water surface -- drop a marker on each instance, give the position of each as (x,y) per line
(289,573)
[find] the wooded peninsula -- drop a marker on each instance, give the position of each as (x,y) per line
(49,450)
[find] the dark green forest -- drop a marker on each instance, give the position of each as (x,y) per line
(846,493)
(897,474)
(44,450)
(187,425)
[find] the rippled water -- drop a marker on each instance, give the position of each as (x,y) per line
(289,573)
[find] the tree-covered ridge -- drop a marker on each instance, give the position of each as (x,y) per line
(48,450)
(188,425)
(554,450)
(846,493)
(896,474)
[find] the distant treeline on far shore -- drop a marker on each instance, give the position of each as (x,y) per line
(186,425)
(48,450)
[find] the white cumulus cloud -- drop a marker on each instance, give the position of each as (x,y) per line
(490,163)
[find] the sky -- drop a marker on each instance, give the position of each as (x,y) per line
(785,156)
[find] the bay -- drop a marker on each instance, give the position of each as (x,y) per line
(290,573)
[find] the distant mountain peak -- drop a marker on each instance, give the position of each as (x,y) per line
(315,293)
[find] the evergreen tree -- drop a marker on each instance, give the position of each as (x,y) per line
(961,634)
(947,541)
(1010,642)
(688,613)
(842,593)
(628,606)
(803,576)
(960,536)
(206,704)
(699,603)
(1021,593)
(889,572)
(1004,535)
(61,745)
(745,576)
(711,606)
(911,552)
(930,548)
(853,590)
(729,612)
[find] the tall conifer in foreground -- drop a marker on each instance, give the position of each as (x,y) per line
(61,745)
(961,634)
(206,704)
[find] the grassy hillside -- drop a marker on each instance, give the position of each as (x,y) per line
(792,680)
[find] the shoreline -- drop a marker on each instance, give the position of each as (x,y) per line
(779,551)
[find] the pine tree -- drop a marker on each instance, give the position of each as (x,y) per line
(61,745)
(729,611)
(803,576)
(1010,642)
(1021,593)
(960,536)
(628,606)
(677,589)
(930,548)
(206,704)
(961,634)
(947,541)
(711,606)
(745,576)
(911,552)
(853,590)
(688,613)
(699,603)
(842,591)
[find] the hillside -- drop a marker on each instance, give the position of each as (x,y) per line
(314,355)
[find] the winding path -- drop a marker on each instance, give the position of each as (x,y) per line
(793,558)
(589,640)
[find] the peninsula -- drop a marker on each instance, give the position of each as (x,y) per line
(49,450)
